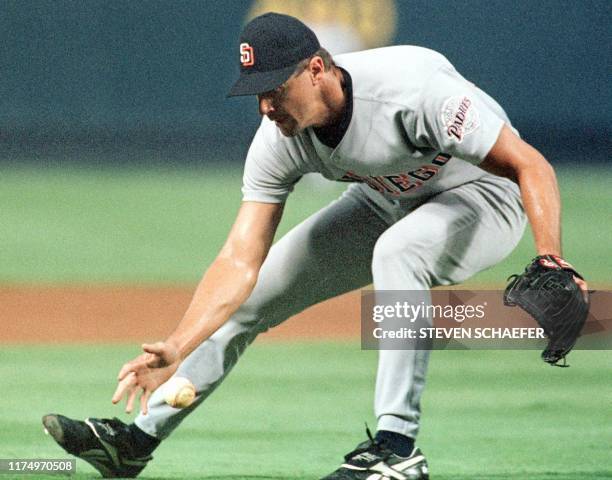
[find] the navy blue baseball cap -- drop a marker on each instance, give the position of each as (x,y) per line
(271,46)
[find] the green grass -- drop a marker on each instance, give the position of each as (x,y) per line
(291,411)
(156,225)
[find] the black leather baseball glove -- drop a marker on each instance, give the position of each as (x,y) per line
(548,292)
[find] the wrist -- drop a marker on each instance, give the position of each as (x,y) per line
(174,346)
(548,250)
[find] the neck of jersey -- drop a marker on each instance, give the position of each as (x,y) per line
(331,135)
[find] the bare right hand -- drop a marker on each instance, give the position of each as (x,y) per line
(145,374)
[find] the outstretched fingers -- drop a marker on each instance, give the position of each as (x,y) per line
(142,375)
(144,401)
(131,367)
(129,405)
(127,387)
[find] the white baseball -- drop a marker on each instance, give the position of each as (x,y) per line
(179,392)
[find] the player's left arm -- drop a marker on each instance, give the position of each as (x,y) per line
(515,159)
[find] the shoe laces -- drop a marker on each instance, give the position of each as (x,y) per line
(119,435)
(113,426)
(372,445)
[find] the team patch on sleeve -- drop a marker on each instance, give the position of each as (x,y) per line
(459,117)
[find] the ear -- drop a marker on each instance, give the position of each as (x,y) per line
(316,69)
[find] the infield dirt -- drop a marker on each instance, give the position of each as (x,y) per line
(91,314)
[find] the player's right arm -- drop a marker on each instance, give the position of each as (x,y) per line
(227,283)
(231,278)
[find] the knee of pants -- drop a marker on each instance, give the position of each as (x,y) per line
(249,315)
(393,258)
(262,311)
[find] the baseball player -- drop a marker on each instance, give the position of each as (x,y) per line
(440,183)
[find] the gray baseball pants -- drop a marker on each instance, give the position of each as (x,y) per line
(359,239)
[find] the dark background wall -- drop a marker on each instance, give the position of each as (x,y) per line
(142,81)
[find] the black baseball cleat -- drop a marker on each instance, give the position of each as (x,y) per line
(106,444)
(373,460)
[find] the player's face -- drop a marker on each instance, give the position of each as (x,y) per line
(287,105)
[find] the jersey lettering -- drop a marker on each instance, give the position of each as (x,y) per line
(424,173)
(403,182)
(398,183)
(460,117)
(441,159)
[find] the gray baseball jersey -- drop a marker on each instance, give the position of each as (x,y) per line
(417,128)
